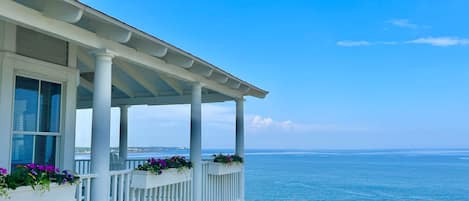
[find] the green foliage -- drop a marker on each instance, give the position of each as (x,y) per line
(156,166)
(220,158)
(35,176)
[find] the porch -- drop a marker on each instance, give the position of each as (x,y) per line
(57,56)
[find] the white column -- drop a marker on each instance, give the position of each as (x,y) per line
(123,146)
(240,127)
(196,142)
(240,141)
(101,125)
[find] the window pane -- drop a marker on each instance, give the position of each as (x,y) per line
(22,150)
(30,148)
(44,150)
(50,107)
(25,112)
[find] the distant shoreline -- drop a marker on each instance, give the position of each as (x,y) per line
(87,150)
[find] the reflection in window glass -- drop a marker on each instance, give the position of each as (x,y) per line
(34,135)
(22,150)
(44,150)
(50,107)
(26,105)
(33,148)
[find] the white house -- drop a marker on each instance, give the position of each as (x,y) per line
(57,56)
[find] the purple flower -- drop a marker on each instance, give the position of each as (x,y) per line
(152,161)
(33,172)
(3,171)
(162,163)
(41,168)
(50,169)
(31,166)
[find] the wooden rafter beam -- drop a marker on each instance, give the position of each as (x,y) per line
(173,83)
(138,77)
(116,81)
(87,85)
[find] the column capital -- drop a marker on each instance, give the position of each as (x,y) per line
(104,53)
(197,84)
(124,106)
(240,100)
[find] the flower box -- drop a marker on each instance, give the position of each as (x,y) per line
(224,168)
(65,192)
(147,180)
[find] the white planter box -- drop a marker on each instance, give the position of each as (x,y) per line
(224,168)
(65,192)
(146,180)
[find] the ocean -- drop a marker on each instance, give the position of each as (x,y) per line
(401,175)
(394,175)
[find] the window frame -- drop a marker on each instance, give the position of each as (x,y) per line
(58,135)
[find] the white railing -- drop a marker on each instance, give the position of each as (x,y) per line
(120,185)
(215,188)
(84,187)
(134,163)
(220,187)
(83,166)
(180,192)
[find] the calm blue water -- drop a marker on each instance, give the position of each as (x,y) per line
(358,175)
(407,175)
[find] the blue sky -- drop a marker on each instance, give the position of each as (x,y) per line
(342,74)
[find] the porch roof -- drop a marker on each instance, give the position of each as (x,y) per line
(147,70)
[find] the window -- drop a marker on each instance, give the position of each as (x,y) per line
(36,121)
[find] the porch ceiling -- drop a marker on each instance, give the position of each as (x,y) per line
(137,85)
(163,77)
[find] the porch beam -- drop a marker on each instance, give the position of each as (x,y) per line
(160,100)
(16,13)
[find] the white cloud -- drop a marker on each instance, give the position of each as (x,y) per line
(434,41)
(259,124)
(349,43)
(440,41)
(403,23)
